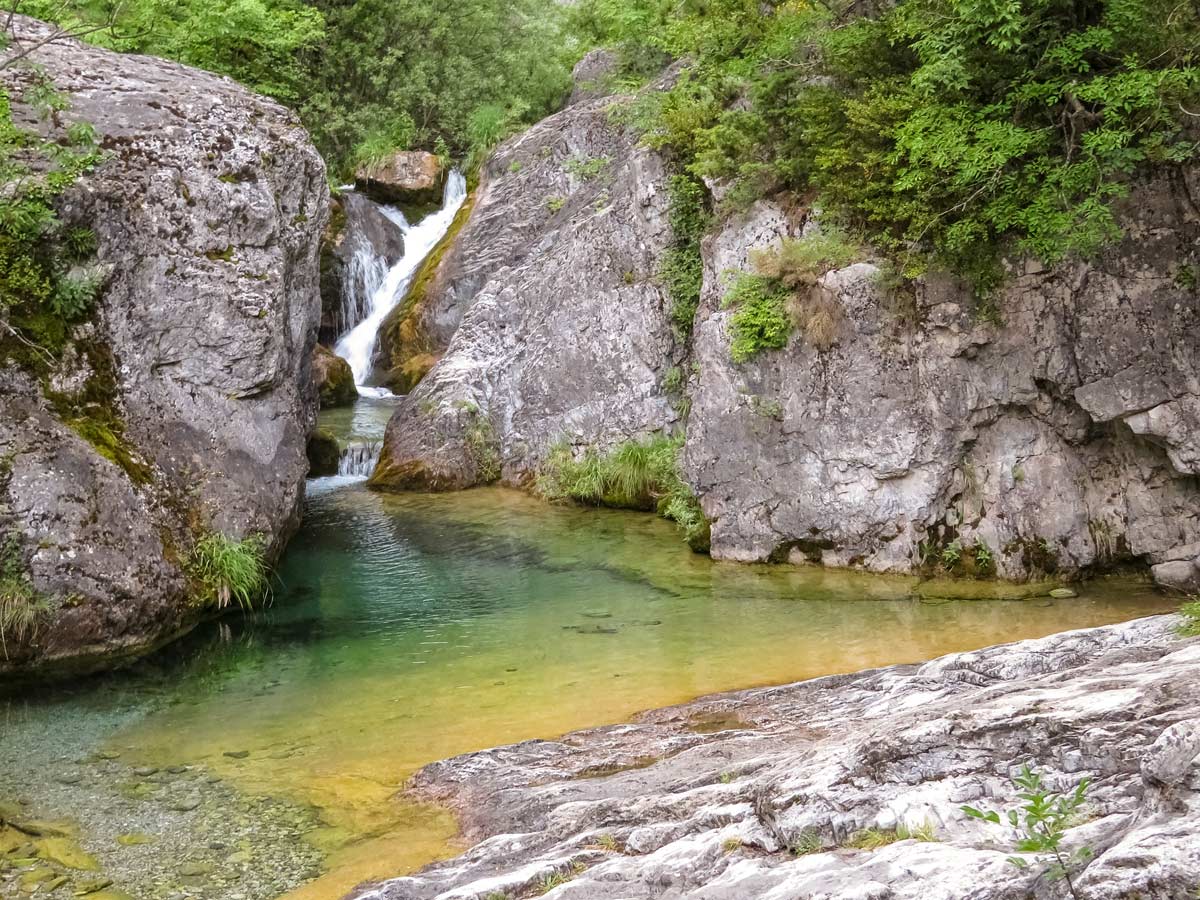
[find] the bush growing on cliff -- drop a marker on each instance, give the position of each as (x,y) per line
(635,475)
(943,131)
(229,570)
(43,287)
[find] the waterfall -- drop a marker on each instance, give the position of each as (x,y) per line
(358,459)
(357,346)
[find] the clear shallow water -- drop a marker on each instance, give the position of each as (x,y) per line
(410,628)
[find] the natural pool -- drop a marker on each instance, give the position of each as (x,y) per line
(409,628)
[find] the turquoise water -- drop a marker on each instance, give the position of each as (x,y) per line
(409,628)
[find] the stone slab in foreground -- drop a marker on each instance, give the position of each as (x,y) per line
(704,800)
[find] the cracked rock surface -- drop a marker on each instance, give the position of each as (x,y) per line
(708,800)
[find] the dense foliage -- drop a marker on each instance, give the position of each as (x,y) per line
(943,129)
(367,76)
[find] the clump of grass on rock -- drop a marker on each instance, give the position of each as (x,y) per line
(230,571)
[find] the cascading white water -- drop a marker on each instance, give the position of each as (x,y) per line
(357,347)
(359,458)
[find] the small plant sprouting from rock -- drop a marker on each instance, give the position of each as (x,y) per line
(731,845)
(783,293)
(726,778)
(555,204)
(561,877)
(608,843)
(952,554)
(1040,825)
(1190,611)
(810,841)
(230,570)
(585,168)
(481,443)
(21,607)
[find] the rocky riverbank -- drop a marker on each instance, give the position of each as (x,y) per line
(896,426)
(850,786)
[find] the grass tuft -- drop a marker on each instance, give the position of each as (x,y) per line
(635,475)
(230,570)
(1191,618)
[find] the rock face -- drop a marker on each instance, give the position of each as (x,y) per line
(563,333)
(183,406)
(409,176)
(1056,438)
(761,793)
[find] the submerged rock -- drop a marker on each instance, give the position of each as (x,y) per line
(851,786)
(183,405)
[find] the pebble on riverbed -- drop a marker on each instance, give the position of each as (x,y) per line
(149,833)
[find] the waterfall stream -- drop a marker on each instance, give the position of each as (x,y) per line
(359,458)
(386,289)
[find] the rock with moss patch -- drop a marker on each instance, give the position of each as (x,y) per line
(333,377)
(324,452)
(183,406)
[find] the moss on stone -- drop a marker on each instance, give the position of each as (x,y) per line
(324,453)
(409,349)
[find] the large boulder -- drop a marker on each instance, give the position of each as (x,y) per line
(333,377)
(559,327)
(181,408)
(410,177)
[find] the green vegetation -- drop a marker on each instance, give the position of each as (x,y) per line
(1191,618)
(44,283)
(681,269)
(635,475)
(810,841)
(481,443)
(1040,824)
(760,321)
(21,607)
(229,570)
(784,294)
(369,76)
(555,203)
(586,169)
(943,132)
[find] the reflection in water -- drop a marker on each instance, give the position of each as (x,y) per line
(410,628)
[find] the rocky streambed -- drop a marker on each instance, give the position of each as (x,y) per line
(850,786)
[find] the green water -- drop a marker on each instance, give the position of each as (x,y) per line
(409,628)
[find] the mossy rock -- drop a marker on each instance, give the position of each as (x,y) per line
(324,452)
(334,379)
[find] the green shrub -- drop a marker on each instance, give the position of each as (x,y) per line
(229,570)
(681,268)
(39,293)
(635,475)
(1040,825)
(1191,618)
(760,320)
(945,132)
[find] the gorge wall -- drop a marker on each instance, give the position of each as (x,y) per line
(181,407)
(1058,434)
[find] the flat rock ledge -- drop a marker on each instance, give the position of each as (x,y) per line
(709,799)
